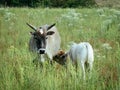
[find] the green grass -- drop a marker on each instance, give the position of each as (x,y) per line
(99,26)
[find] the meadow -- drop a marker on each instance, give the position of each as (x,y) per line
(99,26)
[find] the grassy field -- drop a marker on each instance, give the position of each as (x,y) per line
(99,26)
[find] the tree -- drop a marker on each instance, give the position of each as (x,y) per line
(48,3)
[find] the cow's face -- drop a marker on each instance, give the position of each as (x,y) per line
(61,57)
(40,36)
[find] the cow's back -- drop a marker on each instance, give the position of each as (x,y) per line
(78,52)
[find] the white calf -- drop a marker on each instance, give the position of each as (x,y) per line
(80,54)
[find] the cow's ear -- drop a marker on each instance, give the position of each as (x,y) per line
(50,32)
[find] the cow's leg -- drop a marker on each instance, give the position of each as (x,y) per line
(90,68)
(50,57)
(42,59)
(83,70)
(76,65)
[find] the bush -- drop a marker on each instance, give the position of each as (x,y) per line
(48,3)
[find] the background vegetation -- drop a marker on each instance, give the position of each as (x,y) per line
(108,3)
(47,3)
(99,26)
(60,3)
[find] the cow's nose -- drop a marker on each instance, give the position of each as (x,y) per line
(41,51)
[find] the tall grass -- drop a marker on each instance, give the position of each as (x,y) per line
(100,27)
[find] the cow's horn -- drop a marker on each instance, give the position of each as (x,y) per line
(51,26)
(31,26)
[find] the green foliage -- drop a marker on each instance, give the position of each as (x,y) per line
(99,26)
(48,3)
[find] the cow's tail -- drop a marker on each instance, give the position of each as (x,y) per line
(90,56)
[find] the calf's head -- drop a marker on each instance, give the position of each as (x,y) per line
(60,57)
(40,35)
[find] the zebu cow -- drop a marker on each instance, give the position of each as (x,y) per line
(81,53)
(45,40)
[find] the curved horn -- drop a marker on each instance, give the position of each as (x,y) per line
(31,26)
(51,26)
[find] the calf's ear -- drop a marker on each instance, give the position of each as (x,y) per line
(50,32)
(64,56)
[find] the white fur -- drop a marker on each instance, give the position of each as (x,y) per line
(53,43)
(41,31)
(81,53)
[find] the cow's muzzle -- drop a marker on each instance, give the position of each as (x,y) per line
(41,51)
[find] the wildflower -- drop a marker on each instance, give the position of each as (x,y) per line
(107,46)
